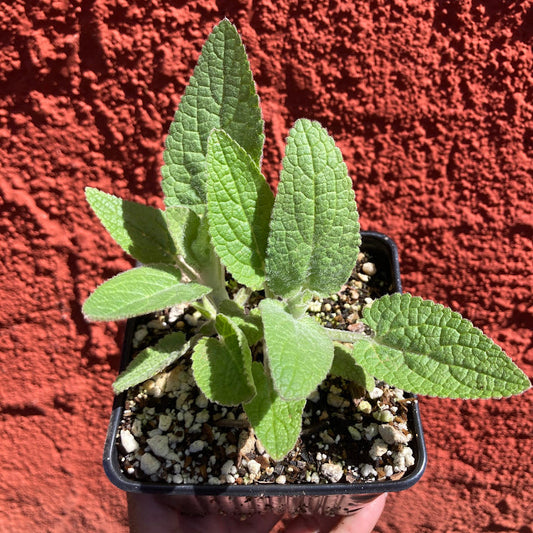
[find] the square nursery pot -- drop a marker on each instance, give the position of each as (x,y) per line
(340,498)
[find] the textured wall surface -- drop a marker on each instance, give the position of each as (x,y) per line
(431,105)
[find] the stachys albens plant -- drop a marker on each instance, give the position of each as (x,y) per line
(221,217)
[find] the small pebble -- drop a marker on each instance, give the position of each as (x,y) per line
(371,431)
(128,441)
(159,445)
(201,401)
(140,334)
(332,472)
(165,421)
(136,428)
(368,470)
(369,268)
(364,407)
(188,419)
(326,437)
(157,324)
(149,464)
(197,446)
(391,435)
(202,417)
(355,433)
(226,467)
(378,449)
(336,401)
(404,459)
(383,416)
(254,468)
(281,480)
(376,393)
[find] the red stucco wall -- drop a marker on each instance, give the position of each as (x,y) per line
(431,104)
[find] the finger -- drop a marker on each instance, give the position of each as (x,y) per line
(363,521)
(310,523)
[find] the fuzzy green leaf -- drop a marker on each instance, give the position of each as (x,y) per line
(221,94)
(298,352)
(178,220)
(251,325)
(139,291)
(191,236)
(277,423)
(151,361)
(344,366)
(425,348)
(239,203)
(222,367)
(314,239)
(140,230)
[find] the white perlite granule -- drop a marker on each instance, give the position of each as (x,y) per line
(128,441)
(149,464)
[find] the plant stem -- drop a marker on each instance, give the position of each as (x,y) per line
(341,335)
(187,270)
(299,303)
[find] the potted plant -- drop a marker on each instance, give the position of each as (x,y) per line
(262,342)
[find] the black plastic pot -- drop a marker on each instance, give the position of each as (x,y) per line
(329,499)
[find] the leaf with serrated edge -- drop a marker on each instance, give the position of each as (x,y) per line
(426,348)
(221,94)
(151,361)
(314,238)
(223,368)
(298,352)
(140,230)
(140,291)
(239,203)
(277,423)
(250,325)
(344,366)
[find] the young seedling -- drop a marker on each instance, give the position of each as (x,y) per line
(222,218)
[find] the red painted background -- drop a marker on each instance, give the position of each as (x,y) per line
(431,105)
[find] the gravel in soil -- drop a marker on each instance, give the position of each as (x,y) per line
(170,432)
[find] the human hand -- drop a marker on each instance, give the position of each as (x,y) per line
(149,513)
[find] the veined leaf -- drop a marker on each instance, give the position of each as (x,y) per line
(239,203)
(151,361)
(345,366)
(221,94)
(139,291)
(425,348)
(178,220)
(314,238)
(277,423)
(222,368)
(140,230)
(298,352)
(191,236)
